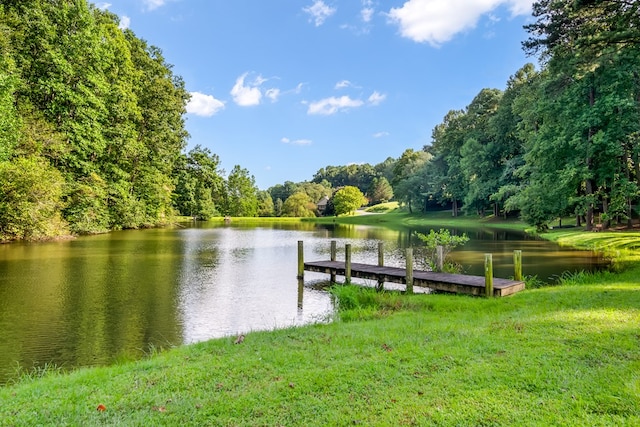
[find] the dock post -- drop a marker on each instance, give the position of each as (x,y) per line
(440,256)
(488,275)
(517,265)
(333,258)
(300,259)
(380,285)
(347,263)
(409,269)
(300,293)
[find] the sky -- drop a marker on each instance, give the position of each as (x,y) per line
(284,88)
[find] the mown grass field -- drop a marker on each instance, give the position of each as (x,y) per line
(566,355)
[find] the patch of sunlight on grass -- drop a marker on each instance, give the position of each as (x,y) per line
(599,319)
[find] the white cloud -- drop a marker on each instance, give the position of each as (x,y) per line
(319,12)
(153,4)
(438,21)
(342,84)
(380,134)
(367,13)
(204,105)
(249,94)
(125,22)
(103,5)
(376,98)
(296,141)
(273,94)
(520,7)
(329,106)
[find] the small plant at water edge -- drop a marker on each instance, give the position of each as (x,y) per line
(448,242)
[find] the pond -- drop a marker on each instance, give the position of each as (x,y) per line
(99,299)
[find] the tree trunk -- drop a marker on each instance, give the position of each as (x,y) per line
(589,217)
(454,208)
(589,187)
(605,209)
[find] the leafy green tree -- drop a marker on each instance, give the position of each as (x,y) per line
(277,207)
(381,191)
(30,200)
(198,182)
(265,204)
(299,205)
(9,121)
(408,184)
(355,175)
(448,180)
(86,205)
(242,193)
(592,56)
(347,199)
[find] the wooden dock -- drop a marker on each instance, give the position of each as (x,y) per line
(442,282)
(485,285)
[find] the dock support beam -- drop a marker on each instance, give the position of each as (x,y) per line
(488,275)
(440,258)
(409,270)
(300,259)
(380,285)
(333,258)
(517,266)
(347,263)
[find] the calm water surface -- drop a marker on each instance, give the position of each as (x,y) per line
(95,300)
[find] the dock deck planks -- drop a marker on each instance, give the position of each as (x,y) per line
(444,282)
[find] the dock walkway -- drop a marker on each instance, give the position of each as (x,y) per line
(443,282)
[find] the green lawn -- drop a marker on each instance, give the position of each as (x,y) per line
(566,355)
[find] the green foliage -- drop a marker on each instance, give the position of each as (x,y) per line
(87,210)
(99,105)
(347,200)
(314,190)
(198,184)
(265,204)
(30,200)
(241,193)
(353,175)
(447,241)
(298,205)
(381,191)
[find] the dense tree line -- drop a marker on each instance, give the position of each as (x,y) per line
(92,133)
(92,129)
(560,141)
(93,109)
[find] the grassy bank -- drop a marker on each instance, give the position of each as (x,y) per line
(564,355)
(400,218)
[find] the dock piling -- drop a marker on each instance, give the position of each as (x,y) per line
(488,275)
(440,257)
(380,285)
(347,263)
(409,269)
(333,258)
(300,259)
(517,265)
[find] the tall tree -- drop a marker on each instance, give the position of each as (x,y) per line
(242,193)
(592,55)
(347,199)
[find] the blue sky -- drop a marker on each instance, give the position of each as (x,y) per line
(284,88)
